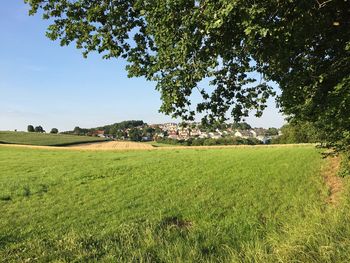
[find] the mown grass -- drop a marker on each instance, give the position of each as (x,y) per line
(186,205)
(158,144)
(44,139)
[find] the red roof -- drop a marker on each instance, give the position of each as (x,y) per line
(98,132)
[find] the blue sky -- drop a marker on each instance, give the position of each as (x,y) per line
(44,84)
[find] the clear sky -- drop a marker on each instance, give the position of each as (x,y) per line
(44,84)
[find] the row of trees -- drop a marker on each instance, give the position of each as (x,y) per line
(117,129)
(40,129)
(211,141)
(121,126)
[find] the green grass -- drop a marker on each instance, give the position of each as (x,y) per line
(43,139)
(186,205)
(158,144)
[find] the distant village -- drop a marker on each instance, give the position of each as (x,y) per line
(139,131)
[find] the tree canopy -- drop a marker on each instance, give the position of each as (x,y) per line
(300,132)
(239,46)
(135,134)
(30,128)
(39,129)
(54,130)
(241,126)
(113,128)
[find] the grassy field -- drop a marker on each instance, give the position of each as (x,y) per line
(43,139)
(158,144)
(186,205)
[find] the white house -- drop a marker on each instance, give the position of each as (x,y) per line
(243,134)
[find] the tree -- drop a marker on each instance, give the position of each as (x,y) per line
(77,130)
(121,134)
(113,129)
(54,130)
(298,132)
(241,126)
(303,45)
(39,129)
(30,128)
(272,131)
(148,132)
(135,134)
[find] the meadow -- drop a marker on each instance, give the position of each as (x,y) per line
(44,139)
(182,205)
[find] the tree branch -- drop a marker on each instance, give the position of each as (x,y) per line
(323,4)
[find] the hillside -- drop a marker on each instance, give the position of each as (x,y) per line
(186,205)
(43,139)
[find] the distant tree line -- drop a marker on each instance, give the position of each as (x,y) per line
(211,141)
(241,126)
(121,126)
(116,129)
(40,129)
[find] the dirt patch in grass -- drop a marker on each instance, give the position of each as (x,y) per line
(334,182)
(175,222)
